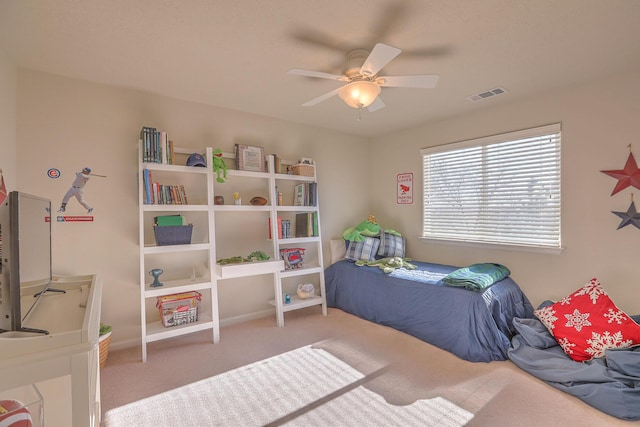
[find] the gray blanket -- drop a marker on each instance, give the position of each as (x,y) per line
(610,384)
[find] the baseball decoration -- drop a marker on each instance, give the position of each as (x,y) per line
(14,414)
(54,173)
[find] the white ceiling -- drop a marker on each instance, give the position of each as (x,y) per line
(235,53)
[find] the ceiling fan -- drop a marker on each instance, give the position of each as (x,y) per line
(363,84)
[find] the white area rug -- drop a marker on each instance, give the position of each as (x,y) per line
(304,387)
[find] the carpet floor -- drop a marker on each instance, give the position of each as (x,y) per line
(337,370)
(302,387)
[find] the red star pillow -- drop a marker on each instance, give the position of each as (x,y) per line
(587,322)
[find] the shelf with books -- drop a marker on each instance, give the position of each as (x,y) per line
(297,197)
(176,236)
(263,220)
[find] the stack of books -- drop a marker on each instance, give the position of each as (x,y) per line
(306,194)
(284,228)
(156,146)
(307,224)
(159,194)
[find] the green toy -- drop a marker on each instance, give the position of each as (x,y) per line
(257,256)
(219,167)
(388,264)
(368,228)
(253,256)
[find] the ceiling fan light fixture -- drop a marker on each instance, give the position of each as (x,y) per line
(359,94)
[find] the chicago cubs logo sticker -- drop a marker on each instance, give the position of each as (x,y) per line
(54,173)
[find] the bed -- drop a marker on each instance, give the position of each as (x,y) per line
(474,325)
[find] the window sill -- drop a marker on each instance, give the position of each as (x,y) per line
(494,246)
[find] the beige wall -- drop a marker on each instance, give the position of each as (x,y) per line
(8,78)
(598,121)
(68,124)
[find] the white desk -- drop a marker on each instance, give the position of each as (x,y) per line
(71,348)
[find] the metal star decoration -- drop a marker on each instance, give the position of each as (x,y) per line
(629,217)
(630,175)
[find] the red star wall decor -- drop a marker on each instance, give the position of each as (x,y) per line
(629,176)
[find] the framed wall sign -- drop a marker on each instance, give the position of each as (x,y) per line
(404,188)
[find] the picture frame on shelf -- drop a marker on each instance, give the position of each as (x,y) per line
(250,158)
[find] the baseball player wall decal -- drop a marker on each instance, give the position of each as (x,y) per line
(77,189)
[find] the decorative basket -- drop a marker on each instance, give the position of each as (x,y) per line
(173,234)
(303,169)
(179,309)
(103,344)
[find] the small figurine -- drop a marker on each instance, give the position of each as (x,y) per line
(219,167)
(156,272)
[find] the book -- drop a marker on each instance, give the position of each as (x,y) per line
(280,232)
(163,220)
(305,224)
(313,194)
(286,229)
(156,146)
(299,195)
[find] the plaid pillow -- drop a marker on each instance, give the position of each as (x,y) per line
(365,250)
(391,245)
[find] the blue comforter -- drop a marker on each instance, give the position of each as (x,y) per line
(476,326)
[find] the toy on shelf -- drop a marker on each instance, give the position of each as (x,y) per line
(156,272)
(219,166)
(253,256)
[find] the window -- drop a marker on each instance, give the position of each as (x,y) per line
(502,189)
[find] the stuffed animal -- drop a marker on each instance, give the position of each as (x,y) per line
(389,264)
(219,167)
(368,228)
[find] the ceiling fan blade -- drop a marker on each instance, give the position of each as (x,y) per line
(320,98)
(380,56)
(376,105)
(319,74)
(426,81)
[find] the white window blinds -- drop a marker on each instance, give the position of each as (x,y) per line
(502,189)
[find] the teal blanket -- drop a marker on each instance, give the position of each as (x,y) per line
(477,277)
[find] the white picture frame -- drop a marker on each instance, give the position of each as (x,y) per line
(250,158)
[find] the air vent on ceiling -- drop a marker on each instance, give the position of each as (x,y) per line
(487,94)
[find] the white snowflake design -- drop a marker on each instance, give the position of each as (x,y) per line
(615,316)
(600,342)
(546,316)
(566,345)
(565,301)
(592,289)
(577,320)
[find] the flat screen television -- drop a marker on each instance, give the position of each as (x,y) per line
(25,253)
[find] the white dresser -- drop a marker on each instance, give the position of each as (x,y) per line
(71,348)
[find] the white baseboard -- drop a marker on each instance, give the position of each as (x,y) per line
(121,345)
